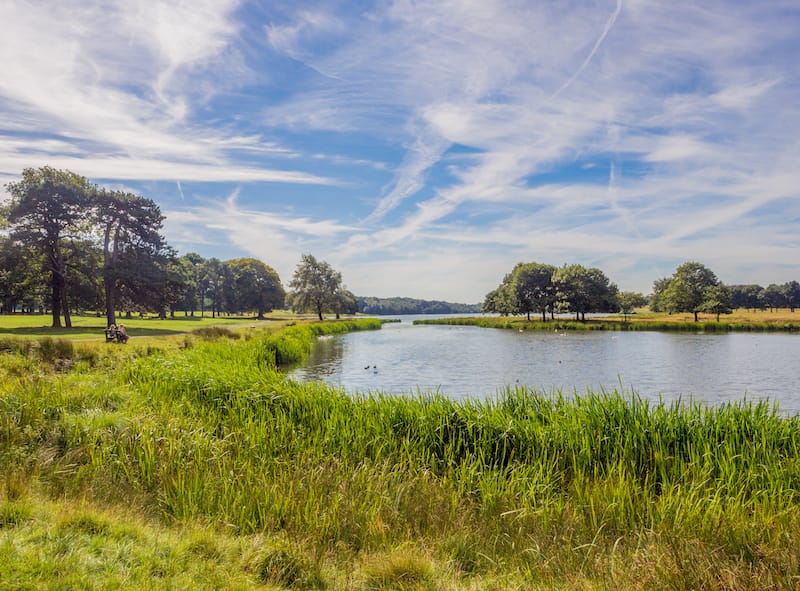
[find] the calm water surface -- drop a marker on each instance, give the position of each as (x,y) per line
(465,361)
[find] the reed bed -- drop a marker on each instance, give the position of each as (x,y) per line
(526,490)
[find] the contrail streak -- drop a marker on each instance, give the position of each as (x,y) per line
(610,23)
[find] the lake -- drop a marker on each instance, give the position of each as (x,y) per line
(465,361)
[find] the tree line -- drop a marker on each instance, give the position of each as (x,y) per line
(546,289)
(693,287)
(399,305)
(67,246)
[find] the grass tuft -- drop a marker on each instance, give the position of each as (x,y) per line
(56,351)
(403,569)
(14,513)
(84,522)
(211,333)
(285,565)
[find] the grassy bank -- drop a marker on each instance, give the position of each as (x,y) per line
(204,467)
(739,321)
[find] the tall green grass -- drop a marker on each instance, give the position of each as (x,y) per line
(528,489)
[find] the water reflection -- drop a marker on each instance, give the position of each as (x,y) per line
(462,361)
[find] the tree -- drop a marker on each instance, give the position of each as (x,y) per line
(314,286)
(148,280)
(345,302)
(127,222)
(83,259)
(256,286)
(501,300)
(628,300)
(20,282)
(47,207)
(656,302)
(176,276)
(584,290)
(774,296)
(718,300)
(686,291)
(791,292)
(747,296)
(193,264)
(212,276)
(533,289)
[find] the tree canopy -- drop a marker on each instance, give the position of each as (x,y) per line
(628,301)
(537,287)
(48,207)
(255,286)
(315,286)
(130,227)
(688,289)
(102,249)
(532,288)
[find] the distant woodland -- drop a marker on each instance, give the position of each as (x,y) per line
(390,306)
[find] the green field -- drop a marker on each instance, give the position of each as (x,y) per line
(91,327)
(198,464)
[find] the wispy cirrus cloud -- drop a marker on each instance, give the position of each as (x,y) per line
(452,138)
(114,92)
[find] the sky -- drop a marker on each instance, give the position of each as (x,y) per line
(423,148)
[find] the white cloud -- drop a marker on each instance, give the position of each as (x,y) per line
(612,133)
(129,169)
(681,147)
(741,96)
(277,239)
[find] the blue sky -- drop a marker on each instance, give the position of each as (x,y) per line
(424,148)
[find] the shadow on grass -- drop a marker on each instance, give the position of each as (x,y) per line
(47,331)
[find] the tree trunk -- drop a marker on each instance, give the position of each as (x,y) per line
(696,319)
(61,277)
(65,306)
(544,318)
(111,317)
(56,295)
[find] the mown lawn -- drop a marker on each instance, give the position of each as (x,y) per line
(88,327)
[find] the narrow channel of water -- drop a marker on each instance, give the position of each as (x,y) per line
(463,361)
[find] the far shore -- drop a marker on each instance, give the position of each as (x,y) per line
(780,320)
